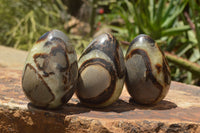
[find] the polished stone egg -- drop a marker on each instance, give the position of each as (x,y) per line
(101,72)
(51,71)
(148,73)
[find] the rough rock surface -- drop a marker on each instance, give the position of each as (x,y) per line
(178,112)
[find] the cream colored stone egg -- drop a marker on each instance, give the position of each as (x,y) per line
(101,72)
(148,74)
(51,71)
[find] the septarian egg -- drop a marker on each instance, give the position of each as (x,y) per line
(148,74)
(101,72)
(51,71)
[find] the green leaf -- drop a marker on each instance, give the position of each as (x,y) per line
(172,18)
(169,9)
(175,31)
(195,55)
(193,12)
(159,11)
(152,10)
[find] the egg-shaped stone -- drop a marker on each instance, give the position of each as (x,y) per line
(101,72)
(148,73)
(51,71)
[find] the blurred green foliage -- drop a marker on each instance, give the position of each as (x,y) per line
(157,19)
(23,21)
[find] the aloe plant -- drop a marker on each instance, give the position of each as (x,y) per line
(155,18)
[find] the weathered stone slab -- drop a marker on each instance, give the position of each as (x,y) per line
(179,111)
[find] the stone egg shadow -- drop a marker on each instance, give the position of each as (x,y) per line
(120,106)
(162,105)
(75,107)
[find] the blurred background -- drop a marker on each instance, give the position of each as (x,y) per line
(173,24)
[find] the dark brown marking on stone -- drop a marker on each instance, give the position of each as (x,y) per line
(70,77)
(61,47)
(110,47)
(73,74)
(164,58)
(48,43)
(40,81)
(86,51)
(108,92)
(160,51)
(149,74)
(166,73)
(149,40)
(111,38)
(65,81)
(45,74)
(70,49)
(144,37)
(59,42)
(69,94)
(40,55)
(43,65)
(120,65)
(43,37)
(158,67)
(165,68)
(166,62)
(54,52)
(44,62)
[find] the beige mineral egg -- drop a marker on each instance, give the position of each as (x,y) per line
(148,74)
(101,72)
(51,71)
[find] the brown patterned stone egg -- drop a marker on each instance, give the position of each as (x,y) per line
(51,71)
(148,74)
(101,72)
